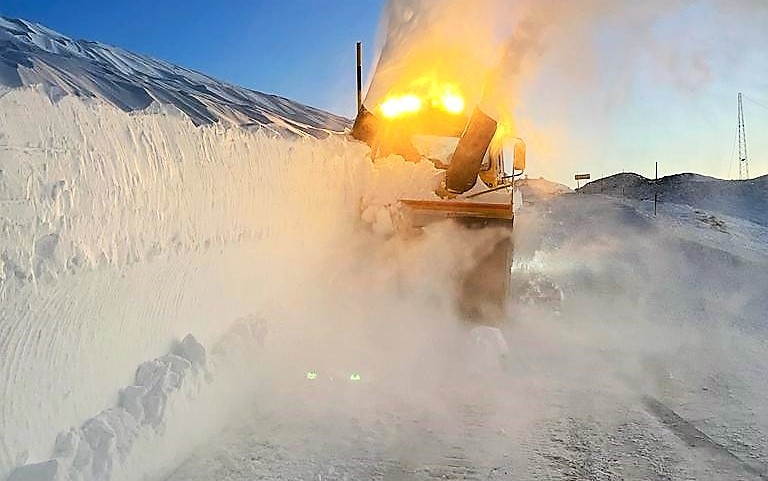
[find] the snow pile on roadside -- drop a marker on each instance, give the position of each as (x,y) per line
(122,232)
(393,179)
(119,442)
(91,450)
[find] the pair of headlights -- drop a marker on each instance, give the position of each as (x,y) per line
(312,375)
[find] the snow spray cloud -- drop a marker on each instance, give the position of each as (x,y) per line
(561,60)
(431,43)
(646,311)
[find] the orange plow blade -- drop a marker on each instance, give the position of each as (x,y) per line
(423,212)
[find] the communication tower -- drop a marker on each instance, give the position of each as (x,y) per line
(743,160)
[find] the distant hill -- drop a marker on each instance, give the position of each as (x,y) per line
(31,54)
(747,199)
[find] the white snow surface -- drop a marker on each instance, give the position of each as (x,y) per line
(122,233)
(747,199)
(148,430)
(32,54)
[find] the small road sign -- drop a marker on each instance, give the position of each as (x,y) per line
(580,177)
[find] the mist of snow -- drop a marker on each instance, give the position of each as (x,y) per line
(123,233)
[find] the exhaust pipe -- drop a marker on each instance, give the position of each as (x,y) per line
(365,127)
(366,124)
(359,48)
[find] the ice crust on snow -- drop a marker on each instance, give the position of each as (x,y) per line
(32,54)
(122,232)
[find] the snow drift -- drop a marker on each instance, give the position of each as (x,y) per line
(121,233)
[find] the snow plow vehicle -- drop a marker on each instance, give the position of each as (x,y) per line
(476,192)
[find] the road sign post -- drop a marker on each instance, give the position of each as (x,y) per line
(656,189)
(580,177)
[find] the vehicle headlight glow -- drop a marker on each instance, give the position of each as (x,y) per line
(396,106)
(452,102)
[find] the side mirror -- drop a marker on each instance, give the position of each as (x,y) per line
(518,163)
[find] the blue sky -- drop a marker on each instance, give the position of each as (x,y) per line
(301,49)
(638,104)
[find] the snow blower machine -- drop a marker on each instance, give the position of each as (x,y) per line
(476,191)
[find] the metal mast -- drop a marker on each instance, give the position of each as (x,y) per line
(359,48)
(743,160)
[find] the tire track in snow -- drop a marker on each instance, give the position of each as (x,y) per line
(696,439)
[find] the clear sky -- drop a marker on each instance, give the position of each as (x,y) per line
(300,49)
(670,99)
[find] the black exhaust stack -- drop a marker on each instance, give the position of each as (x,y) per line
(366,124)
(359,47)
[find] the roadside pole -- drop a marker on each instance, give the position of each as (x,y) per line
(656,189)
(359,51)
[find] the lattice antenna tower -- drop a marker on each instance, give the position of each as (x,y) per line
(743,159)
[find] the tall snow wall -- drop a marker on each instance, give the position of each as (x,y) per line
(120,233)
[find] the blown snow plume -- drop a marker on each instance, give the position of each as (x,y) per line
(433,48)
(560,61)
(31,54)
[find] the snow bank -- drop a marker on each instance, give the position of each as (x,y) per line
(150,183)
(129,440)
(92,450)
(394,179)
(122,232)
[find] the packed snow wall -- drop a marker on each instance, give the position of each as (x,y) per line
(121,233)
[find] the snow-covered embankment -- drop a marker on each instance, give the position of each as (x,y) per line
(121,233)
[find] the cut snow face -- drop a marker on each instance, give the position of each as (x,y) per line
(35,55)
(124,232)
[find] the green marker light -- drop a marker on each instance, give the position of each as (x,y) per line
(311,375)
(354,376)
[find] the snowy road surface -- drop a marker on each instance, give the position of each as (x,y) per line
(652,366)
